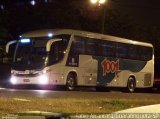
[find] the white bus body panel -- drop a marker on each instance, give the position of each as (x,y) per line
(87,70)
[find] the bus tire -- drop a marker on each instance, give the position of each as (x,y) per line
(71,81)
(131,85)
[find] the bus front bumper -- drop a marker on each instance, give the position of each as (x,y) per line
(38,80)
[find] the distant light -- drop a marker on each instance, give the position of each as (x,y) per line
(46,1)
(20,36)
(50,34)
(2,7)
(102,1)
(25,40)
(94,1)
(33,2)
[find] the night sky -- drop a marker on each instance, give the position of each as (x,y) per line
(143,11)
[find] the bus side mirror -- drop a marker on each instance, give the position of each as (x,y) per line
(9,44)
(9,52)
(50,42)
(1,53)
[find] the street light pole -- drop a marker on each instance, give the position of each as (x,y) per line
(103,19)
(101,3)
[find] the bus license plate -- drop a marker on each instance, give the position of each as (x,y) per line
(26,80)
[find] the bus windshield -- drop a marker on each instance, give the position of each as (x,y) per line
(31,53)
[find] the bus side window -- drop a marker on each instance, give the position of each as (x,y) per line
(77,47)
(91,47)
(133,52)
(108,49)
(145,53)
(56,53)
(103,51)
(122,50)
(149,53)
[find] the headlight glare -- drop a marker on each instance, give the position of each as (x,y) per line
(13,80)
(43,79)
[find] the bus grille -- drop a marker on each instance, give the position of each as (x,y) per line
(147,79)
(27,75)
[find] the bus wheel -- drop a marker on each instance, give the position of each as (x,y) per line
(131,85)
(71,82)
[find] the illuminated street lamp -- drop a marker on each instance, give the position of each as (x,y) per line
(33,2)
(98,1)
(94,1)
(101,3)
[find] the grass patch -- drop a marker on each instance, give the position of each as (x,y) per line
(69,105)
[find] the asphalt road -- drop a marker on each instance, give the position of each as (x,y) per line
(14,93)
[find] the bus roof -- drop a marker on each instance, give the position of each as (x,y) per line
(45,33)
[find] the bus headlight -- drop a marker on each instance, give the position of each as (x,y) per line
(42,72)
(13,80)
(43,79)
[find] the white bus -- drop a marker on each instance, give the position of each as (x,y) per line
(79,58)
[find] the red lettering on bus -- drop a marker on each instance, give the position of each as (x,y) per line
(110,66)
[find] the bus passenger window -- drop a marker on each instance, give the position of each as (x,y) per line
(103,51)
(108,49)
(56,53)
(122,50)
(145,53)
(149,53)
(78,47)
(133,54)
(91,47)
